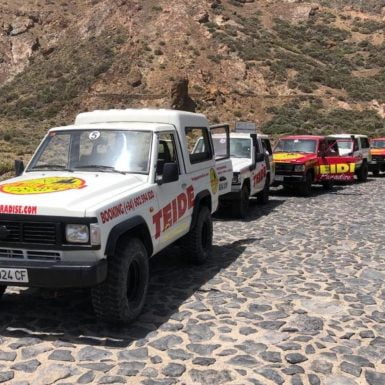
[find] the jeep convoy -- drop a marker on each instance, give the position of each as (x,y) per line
(101,196)
(301,160)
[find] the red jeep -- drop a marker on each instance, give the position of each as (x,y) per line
(301,160)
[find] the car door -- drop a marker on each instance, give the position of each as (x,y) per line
(259,171)
(223,164)
(332,166)
(269,158)
(175,198)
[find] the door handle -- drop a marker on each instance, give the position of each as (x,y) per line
(222,178)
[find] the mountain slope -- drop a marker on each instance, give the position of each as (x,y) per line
(291,67)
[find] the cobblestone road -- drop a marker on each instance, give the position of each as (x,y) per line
(294,295)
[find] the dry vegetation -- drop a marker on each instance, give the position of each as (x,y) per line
(323,72)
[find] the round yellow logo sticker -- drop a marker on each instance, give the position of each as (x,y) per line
(43,185)
(214,181)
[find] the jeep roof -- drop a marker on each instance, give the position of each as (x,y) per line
(317,137)
(137,126)
(348,136)
(165,116)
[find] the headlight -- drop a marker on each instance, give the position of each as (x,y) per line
(77,233)
(236,178)
(299,168)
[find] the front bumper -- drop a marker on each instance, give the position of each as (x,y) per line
(58,274)
(281,178)
(377,165)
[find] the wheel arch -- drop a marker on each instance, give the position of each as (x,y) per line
(203,198)
(136,227)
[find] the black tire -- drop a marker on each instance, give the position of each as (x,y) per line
(362,173)
(263,196)
(2,290)
(197,243)
(327,185)
(305,187)
(120,298)
(240,207)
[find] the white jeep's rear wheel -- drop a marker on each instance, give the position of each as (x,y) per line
(197,243)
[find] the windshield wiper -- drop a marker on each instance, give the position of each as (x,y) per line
(50,167)
(101,168)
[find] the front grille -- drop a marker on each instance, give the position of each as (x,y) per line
(36,255)
(378,157)
(283,167)
(12,254)
(44,255)
(42,233)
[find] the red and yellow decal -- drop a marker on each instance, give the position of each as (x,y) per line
(43,185)
(341,168)
(336,171)
(173,211)
(214,181)
(286,156)
(18,209)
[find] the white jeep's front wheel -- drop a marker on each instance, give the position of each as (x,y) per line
(120,298)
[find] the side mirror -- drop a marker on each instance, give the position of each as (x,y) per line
(259,157)
(170,173)
(19,167)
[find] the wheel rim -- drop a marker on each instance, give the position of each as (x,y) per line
(133,282)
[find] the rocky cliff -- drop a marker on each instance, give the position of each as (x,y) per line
(291,66)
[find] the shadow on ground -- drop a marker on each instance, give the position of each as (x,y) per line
(67,315)
(256,211)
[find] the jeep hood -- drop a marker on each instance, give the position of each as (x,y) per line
(64,194)
(239,164)
(293,157)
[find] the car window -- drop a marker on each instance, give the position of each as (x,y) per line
(167,152)
(199,152)
(364,142)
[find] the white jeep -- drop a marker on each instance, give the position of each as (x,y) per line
(253,168)
(102,196)
(359,147)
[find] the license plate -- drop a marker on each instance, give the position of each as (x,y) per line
(373,161)
(279,177)
(13,275)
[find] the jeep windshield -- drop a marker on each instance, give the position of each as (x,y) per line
(239,147)
(296,145)
(378,144)
(122,151)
